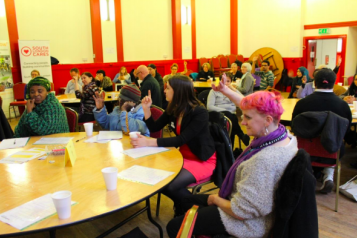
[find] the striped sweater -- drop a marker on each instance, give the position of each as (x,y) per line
(87,100)
(267,79)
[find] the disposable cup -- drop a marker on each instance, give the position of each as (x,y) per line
(88,127)
(340,84)
(110,177)
(62,201)
(134,134)
(355,105)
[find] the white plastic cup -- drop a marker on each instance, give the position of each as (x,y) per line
(134,134)
(110,177)
(355,105)
(62,201)
(88,127)
(340,84)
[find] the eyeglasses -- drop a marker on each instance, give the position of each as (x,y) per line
(264,65)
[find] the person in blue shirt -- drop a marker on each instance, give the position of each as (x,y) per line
(126,117)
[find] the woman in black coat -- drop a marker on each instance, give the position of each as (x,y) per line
(189,120)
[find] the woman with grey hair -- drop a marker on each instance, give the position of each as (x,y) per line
(246,84)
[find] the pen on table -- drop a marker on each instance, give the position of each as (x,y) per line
(80,139)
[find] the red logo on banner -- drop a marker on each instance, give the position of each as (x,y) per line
(26,51)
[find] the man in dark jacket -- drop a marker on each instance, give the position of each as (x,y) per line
(158,77)
(323,99)
(149,83)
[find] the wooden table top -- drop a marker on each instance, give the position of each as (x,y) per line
(20,183)
(207,84)
(71,98)
(289,105)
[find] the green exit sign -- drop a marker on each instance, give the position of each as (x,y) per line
(323,31)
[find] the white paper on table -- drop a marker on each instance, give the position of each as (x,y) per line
(94,139)
(145,175)
(69,100)
(30,213)
(23,156)
(53,141)
(14,143)
(110,135)
(143,151)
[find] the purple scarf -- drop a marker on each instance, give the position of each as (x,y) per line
(255,146)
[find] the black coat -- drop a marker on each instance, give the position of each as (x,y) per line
(5,130)
(204,76)
(194,132)
(224,153)
(150,83)
(328,125)
(295,201)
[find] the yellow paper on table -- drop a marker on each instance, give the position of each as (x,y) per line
(70,154)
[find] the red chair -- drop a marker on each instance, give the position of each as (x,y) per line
(19,92)
(240,58)
(114,87)
(224,63)
(350,80)
(197,186)
(314,148)
(216,66)
(156,112)
(52,87)
(72,119)
(231,59)
(202,61)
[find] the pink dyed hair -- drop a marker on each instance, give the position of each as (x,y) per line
(265,102)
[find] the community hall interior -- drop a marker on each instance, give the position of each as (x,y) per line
(294,39)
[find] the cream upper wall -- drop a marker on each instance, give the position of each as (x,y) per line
(212,27)
(65,23)
(186,34)
(262,26)
(147,29)
(328,11)
(109,42)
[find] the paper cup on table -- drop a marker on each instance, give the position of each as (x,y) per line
(134,134)
(340,84)
(62,201)
(110,177)
(88,127)
(355,105)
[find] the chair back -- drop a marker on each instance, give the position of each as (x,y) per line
(19,91)
(189,71)
(314,147)
(232,59)
(194,76)
(215,63)
(228,125)
(240,58)
(52,87)
(203,96)
(224,62)
(156,112)
(202,61)
(114,87)
(72,119)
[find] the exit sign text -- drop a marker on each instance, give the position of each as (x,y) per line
(323,31)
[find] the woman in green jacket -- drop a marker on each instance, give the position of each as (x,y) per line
(44,115)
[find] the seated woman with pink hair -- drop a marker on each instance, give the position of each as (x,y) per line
(244,205)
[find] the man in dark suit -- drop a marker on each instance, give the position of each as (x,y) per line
(149,83)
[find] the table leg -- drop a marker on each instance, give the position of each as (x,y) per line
(53,233)
(152,220)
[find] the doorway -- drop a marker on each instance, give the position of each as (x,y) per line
(325,50)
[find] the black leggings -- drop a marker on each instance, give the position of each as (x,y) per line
(236,130)
(208,220)
(177,190)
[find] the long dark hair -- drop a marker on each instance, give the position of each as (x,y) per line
(353,88)
(184,99)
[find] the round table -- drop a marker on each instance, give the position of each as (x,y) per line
(71,98)
(206,85)
(20,183)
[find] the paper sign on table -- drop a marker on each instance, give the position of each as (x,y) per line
(53,141)
(13,143)
(23,156)
(143,151)
(94,139)
(145,175)
(70,154)
(30,213)
(110,135)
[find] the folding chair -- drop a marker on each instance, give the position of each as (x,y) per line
(72,118)
(19,92)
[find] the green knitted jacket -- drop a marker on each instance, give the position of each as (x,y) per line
(48,117)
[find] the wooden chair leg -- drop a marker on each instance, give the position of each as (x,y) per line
(338,184)
(158,204)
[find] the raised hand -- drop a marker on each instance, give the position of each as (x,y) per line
(30,104)
(221,87)
(99,100)
(255,57)
(304,79)
(146,101)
